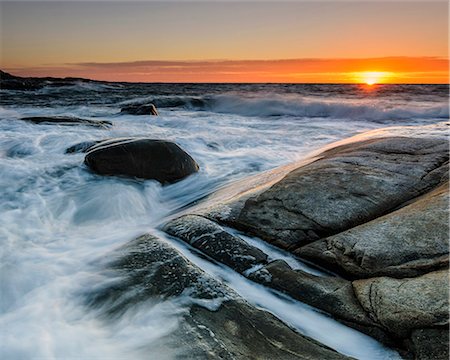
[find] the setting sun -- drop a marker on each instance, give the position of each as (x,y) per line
(372,77)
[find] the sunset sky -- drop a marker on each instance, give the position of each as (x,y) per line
(297,41)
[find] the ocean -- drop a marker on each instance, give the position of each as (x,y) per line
(59,221)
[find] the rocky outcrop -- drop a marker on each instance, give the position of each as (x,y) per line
(140,109)
(373,211)
(408,242)
(11,82)
(348,186)
(160,160)
(217,324)
(67,120)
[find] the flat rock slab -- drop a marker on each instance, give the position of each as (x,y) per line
(160,160)
(348,186)
(67,120)
(149,269)
(408,242)
(212,240)
(403,305)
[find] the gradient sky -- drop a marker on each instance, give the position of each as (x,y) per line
(227,42)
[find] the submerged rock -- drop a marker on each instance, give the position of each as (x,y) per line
(82,147)
(85,146)
(67,120)
(160,160)
(225,326)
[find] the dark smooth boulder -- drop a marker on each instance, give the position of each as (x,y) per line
(160,160)
(212,240)
(138,109)
(217,323)
(67,120)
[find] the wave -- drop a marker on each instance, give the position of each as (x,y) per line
(371,110)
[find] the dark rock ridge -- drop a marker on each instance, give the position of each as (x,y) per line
(212,240)
(149,270)
(11,82)
(160,160)
(374,211)
(67,120)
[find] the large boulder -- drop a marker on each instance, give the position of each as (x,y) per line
(408,242)
(161,160)
(217,322)
(403,305)
(67,120)
(347,186)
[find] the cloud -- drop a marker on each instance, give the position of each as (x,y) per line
(418,69)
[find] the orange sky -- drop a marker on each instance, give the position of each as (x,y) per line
(297,41)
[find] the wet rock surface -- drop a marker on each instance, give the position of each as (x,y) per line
(375,212)
(160,160)
(212,240)
(226,327)
(348,186)
(67,120)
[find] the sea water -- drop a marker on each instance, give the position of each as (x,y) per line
(58,221)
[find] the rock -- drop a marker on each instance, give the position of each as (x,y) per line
(149,270)
(403,305)
(138,109)
(333,295)
(67,120)
(11,82)
(348,186)
(430,344)
(212,240)
(161,160)
(405,243)
(82,147)
(85,146)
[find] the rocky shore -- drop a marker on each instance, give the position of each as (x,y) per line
(373,214)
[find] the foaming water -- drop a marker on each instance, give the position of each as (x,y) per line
(58,220)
